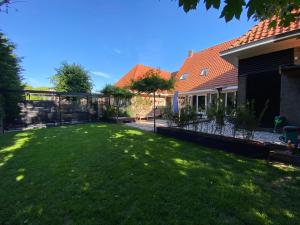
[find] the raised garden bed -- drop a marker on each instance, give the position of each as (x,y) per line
(248,148)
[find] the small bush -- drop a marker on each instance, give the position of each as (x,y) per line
(186,117)
(246,120)
(217,112)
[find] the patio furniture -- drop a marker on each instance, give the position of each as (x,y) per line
(290,133)
(279,122)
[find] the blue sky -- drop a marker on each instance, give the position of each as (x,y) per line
(109,37)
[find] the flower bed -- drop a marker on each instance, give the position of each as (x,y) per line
(227,130)
(248,148)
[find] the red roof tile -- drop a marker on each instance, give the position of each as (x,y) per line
(262,31)
(137,72)
(220,72)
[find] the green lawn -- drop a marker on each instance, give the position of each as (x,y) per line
(111,174)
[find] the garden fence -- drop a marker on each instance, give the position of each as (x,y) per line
(53,108)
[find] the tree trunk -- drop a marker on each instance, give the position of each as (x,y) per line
(118,100)
(154,124)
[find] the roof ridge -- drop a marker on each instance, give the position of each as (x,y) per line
(151,67)
(217,45)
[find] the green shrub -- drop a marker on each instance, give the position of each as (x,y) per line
(246,120)
(185,117)
(217,112)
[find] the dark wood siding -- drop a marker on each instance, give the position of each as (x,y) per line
(267,62)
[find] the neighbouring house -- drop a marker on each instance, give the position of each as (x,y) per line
(205,76)
(268,62)
(262,65)
(141,106)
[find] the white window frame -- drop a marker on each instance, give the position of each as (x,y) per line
(183,76)
(204,72)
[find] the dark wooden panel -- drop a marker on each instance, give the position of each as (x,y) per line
(266,62)
(262,87)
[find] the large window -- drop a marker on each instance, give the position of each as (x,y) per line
(201,104)
(213,99)
(194,101)
(230,101)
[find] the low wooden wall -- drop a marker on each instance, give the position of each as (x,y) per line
(237,146)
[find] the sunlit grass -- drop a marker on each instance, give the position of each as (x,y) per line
(111,174)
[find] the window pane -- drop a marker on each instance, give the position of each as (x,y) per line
(213,99)
(230,100)
(201,103)
(194,101)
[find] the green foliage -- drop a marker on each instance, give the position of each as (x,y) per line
(109,112)
(36,97)
(246,119)
(152,82)
(72,78)
(217,112)
(185,117)
(121,97)
(10,78)
(257,9)
(117,92)
(29,87)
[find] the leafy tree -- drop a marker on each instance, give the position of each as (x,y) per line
(118,93)
(286,10)
(10,78)
(72,78)
(150,84)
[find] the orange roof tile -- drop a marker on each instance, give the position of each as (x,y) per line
(262,31)
(220,72)
(137,72)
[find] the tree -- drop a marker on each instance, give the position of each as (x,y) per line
(150,83)
(10,79)
(72,78)
(285,10)
(118,93)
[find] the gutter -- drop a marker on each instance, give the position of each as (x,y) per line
(269,40)
(229,88)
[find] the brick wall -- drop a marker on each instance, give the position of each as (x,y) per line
(142,106)
(290,95)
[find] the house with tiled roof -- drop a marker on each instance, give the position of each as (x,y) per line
(204,76)
(141,105)
(268,61)
(137,72)
(261,66)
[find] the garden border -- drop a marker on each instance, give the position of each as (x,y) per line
(248,148)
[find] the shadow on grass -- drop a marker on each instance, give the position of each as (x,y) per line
(112,174)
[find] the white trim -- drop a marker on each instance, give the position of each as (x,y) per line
(279,37)
(229,88)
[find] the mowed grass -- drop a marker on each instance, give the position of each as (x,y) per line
(98,174)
